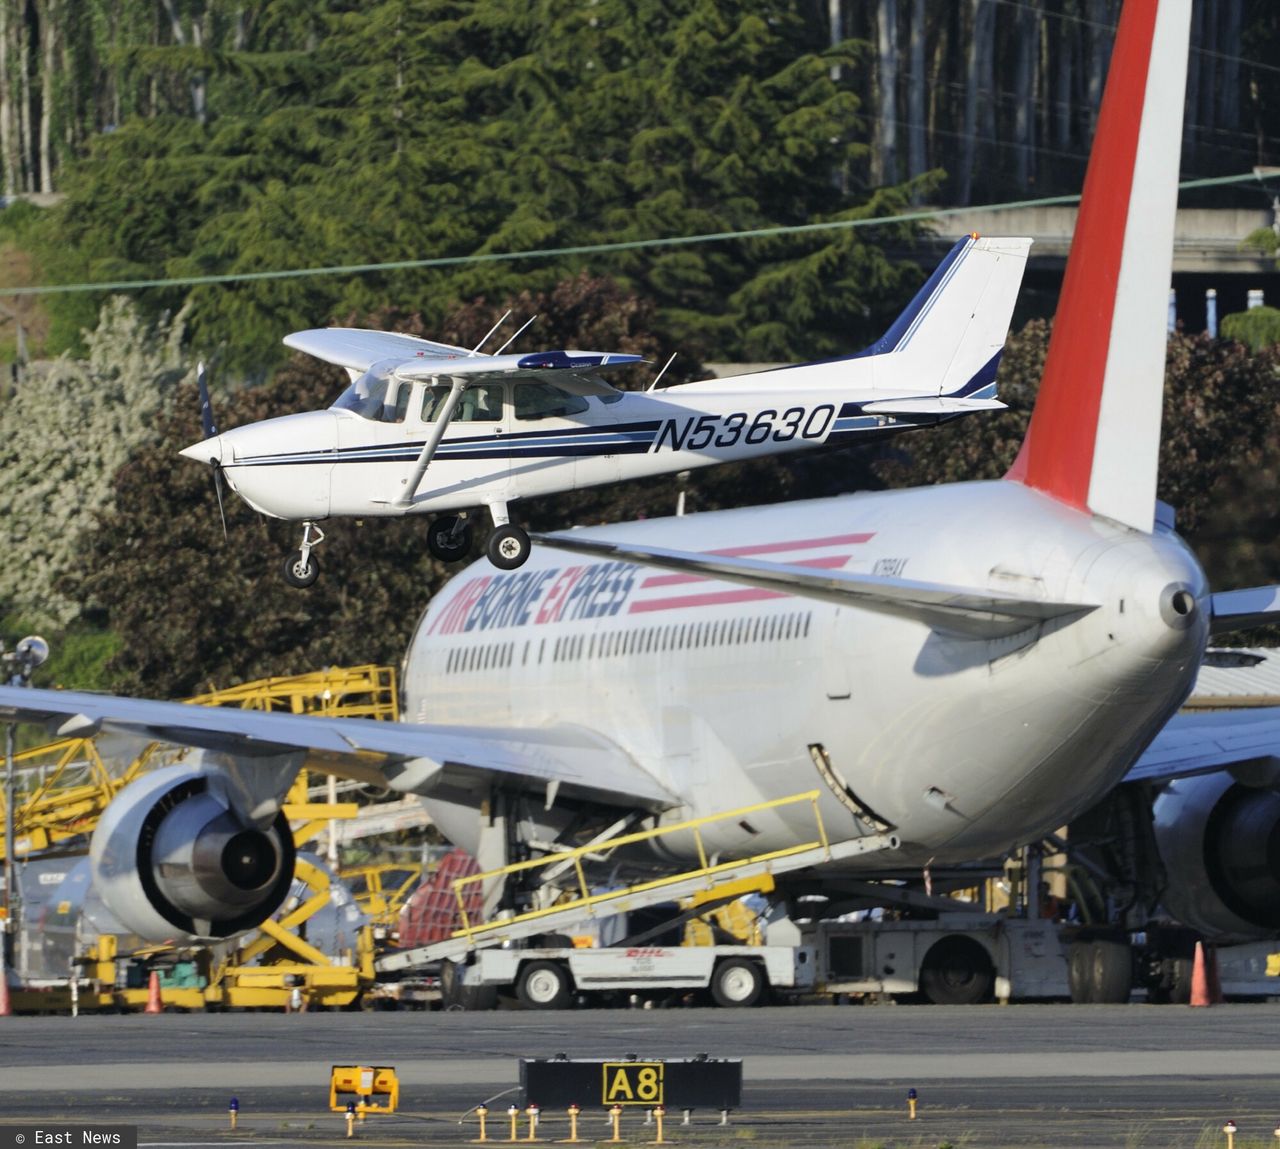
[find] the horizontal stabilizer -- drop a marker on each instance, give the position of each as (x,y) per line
(931,405)
(1242,609)
(563,761)
(975,613)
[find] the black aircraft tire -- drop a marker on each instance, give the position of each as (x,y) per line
(446,544)
(1079,972)
(956,971)
(298,573)
(456,996)
(1110,972)
(509,547)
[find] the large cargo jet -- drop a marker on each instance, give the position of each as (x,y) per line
(956,669)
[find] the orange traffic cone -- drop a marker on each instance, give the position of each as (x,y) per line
(154,1004)
(1201,994)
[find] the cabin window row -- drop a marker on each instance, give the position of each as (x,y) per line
(641,640)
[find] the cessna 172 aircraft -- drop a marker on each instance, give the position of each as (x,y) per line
(429,427)
(956,670)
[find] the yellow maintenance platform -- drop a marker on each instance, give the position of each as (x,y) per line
(66,785)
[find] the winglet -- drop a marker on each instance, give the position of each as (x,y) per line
(1094,436)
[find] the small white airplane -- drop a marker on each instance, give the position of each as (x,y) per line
(956,670)
(432,428)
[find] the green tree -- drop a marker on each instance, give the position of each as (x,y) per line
(467,129)
(63,434)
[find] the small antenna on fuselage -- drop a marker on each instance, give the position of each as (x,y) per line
(476,349)
(517,335)
(663,371)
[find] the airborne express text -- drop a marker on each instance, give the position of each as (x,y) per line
(558,595)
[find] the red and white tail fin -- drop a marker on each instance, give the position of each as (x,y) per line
(1094,436)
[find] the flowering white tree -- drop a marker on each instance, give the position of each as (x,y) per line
(64,432)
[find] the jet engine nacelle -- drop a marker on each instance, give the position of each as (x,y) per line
(175,860)
(1220,844)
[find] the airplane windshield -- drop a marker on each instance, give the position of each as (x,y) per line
(377,395)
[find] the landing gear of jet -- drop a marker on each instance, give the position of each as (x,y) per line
(449,538)
(301,568)
(956,971)
(509,547)
(1100,971)
(454,995)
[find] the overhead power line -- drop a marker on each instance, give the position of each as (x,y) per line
(922,216)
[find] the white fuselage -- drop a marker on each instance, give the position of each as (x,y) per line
(336,462)
(966,746)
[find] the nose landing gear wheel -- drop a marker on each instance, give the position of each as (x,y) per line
(509,547)
(300,571)
(449,538)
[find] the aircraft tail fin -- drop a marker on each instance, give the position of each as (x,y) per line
(952,332)
(1094,437)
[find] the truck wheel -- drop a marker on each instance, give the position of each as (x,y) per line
(956,971)
(737,983)
(1110,972)
(544,985)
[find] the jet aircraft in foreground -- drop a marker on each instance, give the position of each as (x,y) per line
(955,670)
(432,428)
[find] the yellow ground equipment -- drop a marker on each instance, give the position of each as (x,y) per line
(381,889)
(68,784)
(373,1088)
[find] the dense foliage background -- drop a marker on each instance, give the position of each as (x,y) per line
(180,139)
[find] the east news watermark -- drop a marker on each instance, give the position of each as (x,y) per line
(61,1135)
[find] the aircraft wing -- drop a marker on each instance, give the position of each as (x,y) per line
(419,759)
(358,349)
(572,371)
(1204,741)
(931,405)
(980,613)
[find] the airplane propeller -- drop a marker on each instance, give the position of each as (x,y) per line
(211,431)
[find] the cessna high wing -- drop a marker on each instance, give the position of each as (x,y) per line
(957,670)
(432,428)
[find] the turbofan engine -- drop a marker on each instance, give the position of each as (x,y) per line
(175,860)
(1220,844)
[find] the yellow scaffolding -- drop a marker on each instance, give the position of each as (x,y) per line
(74,784)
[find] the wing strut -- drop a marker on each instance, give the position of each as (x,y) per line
(443,419)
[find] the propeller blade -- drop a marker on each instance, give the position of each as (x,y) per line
(206,407)
(217,486)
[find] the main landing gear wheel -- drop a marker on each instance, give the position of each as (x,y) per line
(544,985)
(449,538)
(509,547)
(956,971)
(300,570)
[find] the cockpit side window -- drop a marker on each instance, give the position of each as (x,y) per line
(546,401)
(479,404)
